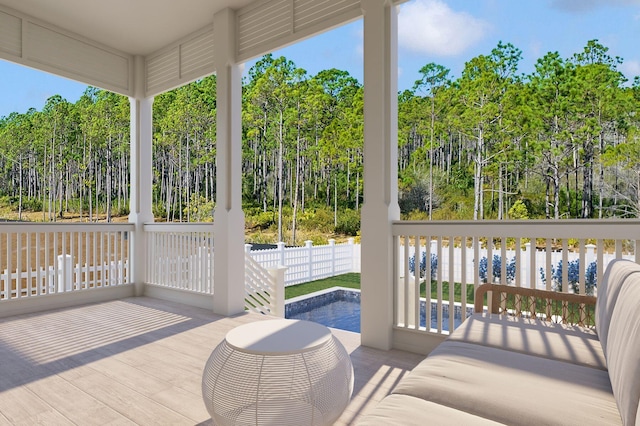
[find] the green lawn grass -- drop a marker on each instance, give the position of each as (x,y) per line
(457,290)
(352,280)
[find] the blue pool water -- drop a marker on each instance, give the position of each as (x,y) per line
(342,314)
(341,309)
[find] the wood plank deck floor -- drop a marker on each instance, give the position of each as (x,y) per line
(140,361)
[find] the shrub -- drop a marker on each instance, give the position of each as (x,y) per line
(33,204)
(159,211)
(261,220)
(496,264)
(320,220)
(518,210)
(348,223)
(573,276)
(423,264)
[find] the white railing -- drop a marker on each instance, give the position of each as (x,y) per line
(569,256)
(39,259)
(311,262)
(180,256)
(264,287)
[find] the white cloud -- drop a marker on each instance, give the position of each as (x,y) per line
(630,69)
(432,27)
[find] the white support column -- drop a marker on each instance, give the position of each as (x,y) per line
(141,174)
(229,290)
(380,206)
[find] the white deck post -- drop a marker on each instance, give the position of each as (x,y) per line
(380,206)
(229,286)
(141,174)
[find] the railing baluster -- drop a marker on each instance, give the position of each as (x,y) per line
(428,246)
(490,259)
(565,266)
(533,266)
(439,288)
(476,264)
(582,266)
(416,284)
(28,266)
(548,274)
(405,282)
(18,266)
(452,285)
(504,260)
(463,278)
(9,267)
(518,271)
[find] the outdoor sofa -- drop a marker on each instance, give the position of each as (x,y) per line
(510,369)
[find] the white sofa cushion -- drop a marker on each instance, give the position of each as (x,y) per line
(577,345)
(512,388)
(410,411)
(614,277)
(623,349)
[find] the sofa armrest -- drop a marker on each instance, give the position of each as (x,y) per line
(564,308)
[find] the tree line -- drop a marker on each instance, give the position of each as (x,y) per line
(560,142)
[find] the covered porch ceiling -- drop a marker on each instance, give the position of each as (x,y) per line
(138,27)
(105,44)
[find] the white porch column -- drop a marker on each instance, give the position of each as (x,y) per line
(380,205)
(228,283)
(141,174)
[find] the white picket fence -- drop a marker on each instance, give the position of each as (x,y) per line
(63,278)
(310,263)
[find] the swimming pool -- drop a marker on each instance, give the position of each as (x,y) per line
(340,308)
(337,308)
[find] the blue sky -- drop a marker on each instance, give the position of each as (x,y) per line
(447,32)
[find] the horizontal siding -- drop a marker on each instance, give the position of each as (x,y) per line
(163,69)
(308,13)
(196,55)
(264,23)
(10,34)
(76,57)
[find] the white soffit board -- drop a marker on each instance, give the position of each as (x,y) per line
(10,34)
(77,58)
(267,25)
(35,44)
(181,63)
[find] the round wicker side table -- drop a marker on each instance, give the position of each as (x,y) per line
(278,372)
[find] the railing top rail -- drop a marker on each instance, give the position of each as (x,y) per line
(179,227)
(566,228)
(64,227)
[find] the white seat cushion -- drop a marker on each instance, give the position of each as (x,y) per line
(512,388)
(573,344)
(410,411)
